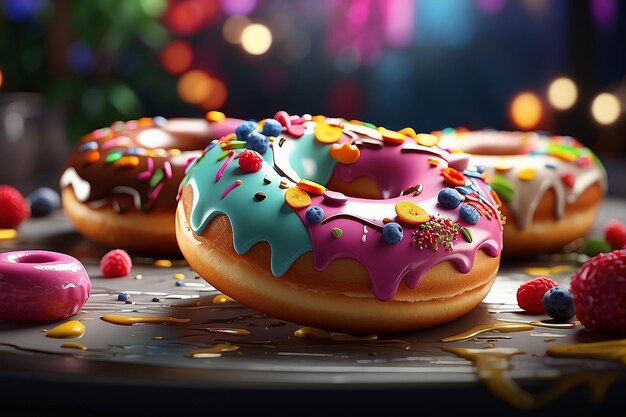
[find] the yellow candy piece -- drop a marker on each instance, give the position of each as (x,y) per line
(425,139)
(345,153)
(297,198)
(127,161)
(410,213)
(6,234)
(311,187)
(527,174)
(326,133)
(391,137)
(215,116)
(503,164)
(145,122)
(408,131)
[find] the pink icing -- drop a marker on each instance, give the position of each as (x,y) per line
(39,285)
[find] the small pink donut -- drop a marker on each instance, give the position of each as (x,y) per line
(38,285)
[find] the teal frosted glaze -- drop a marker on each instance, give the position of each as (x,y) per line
(310,158)
(270,220)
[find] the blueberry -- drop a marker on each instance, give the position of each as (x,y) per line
(43,201)
(258,142)
(558,303)
(314,214)
(123,296)
(272,127)
(392,233)
(449,198)
(469,214)
(243,130)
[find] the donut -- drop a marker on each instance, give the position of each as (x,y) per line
(119,185)
(550,186)
(39,285)
(340,225)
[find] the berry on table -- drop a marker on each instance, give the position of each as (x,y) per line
(558,303)
(615,234)
(599,292)
(14,208)
(43,201)
(115,263)
(530,294)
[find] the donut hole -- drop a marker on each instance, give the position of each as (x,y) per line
(34,258)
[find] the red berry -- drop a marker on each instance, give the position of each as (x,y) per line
(250,161)
(615,234)
(14,209)
(115,264)
(530,294)
(599,292)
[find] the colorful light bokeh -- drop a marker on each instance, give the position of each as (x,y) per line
(194,86)
(238,7)
(233,28)
(186,17)
(562,93)
(526,110)
(177,57)
(606,108)
(256,39)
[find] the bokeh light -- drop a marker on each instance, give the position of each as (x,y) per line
(606,108)
(187,17)
(491,7)
(80,57)
(238,7)
(23,10)
(562,93)
(177,57)
(1,77)
(256,39)
(526,110)
(233,28)
(217,97)
(194,86)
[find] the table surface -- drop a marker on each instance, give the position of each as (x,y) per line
(230,359)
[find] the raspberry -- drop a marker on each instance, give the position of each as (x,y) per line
(14,209)
(599,292)
(615,234)
(250,161)
(530,294)
(115,264)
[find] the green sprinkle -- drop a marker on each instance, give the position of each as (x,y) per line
(237,144)
(337,232)
(113,156)
(156,177)
(371,126)
(504,187)
(467,235)
(223,155)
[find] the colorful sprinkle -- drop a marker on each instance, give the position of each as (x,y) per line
(568,179)
(155,191)
(215,116)
(156,177)
(467,234)
(336,232)
(426,139)
(88,146)
(220,172)
(167,169)
(92,156)
(527,174)
(259,196)
(391,137)
(345,153)
(453,177)
(325,133)
(113,156)
(231,187)
(311,187)
(127,161)
(434,233)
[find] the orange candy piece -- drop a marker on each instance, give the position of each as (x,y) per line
(311,187)
(297,198)
(410,213)
(391,137)
(215,116)
(408,131)
(345,153)
(326,133)
(453,177)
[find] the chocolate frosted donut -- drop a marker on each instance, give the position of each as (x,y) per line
(119,186)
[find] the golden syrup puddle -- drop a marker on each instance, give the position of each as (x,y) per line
(504,327)
(222,299)
(69,330)
(492,367)
(319,334)
(213,351)
(228,330)
(130,320)
(614,350)
(74,345)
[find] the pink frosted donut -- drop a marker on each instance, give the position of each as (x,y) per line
(38,285)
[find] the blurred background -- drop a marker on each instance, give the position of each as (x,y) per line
(69,67)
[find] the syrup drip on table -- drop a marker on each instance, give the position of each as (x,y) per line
(213,351)
(492,367)
(504,327)
(614,350)
(130,320)
(69,330)
(319,334)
